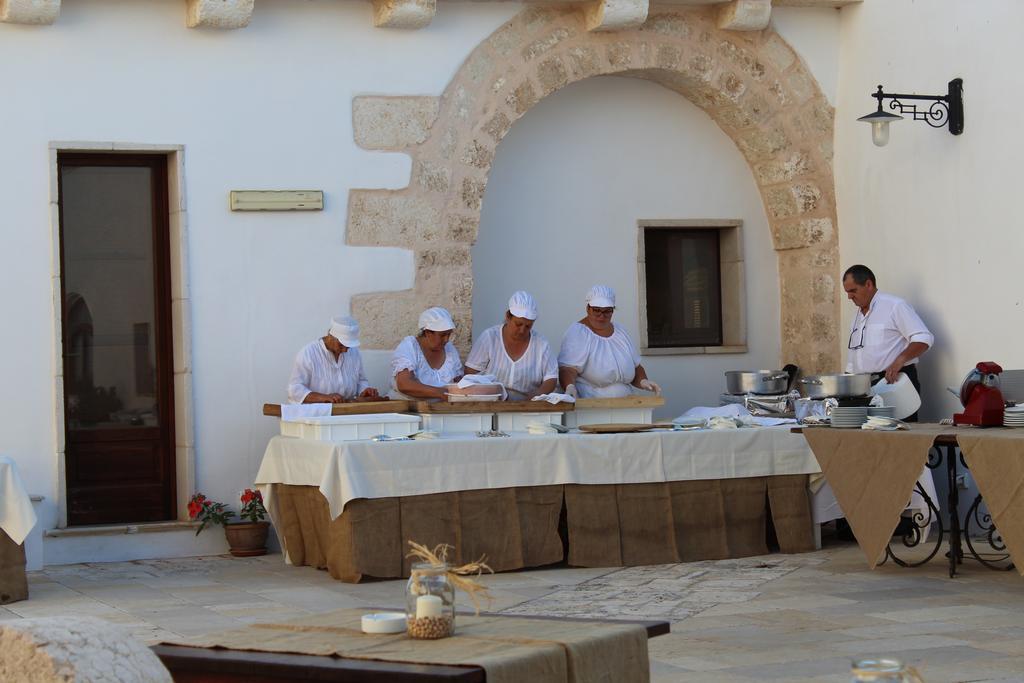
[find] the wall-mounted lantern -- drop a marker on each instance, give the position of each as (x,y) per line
(945,110)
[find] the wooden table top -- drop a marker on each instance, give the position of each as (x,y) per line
(201,665)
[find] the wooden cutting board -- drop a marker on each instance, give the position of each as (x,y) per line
(623,402)
(624,428)
(353,408)
(490,407)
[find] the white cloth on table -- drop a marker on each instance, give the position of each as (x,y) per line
(315,369)
(408,355)
(889,326)
(606,365)
(297,411)
(521,376)
(364,469)
(728,410)
(16,514)
(825,507)
(554,397)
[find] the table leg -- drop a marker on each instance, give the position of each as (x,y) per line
(956,553)
(921,523)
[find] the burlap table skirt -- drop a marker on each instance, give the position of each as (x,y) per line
(684,521)
(608,525)
(514,528)
(13,582)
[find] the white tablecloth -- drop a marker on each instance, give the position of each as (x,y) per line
(365,469)
(16,514)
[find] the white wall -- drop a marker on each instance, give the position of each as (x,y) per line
(567,187)
(269,107)
(814,33)
(936,216)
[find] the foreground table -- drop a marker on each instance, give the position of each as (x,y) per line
(196,664)
(629,499)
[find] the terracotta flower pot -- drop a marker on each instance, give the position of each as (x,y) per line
(247,539)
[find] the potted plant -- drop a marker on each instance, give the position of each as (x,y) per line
(245,538)
(249,538)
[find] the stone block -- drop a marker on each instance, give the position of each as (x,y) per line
(669,25)
(462,228)
(223,14)
(36,12)
(798,234)
(745,15)
(780,202)
(620,55)
(801,85)
(583,62)
(477,154)
(542,45)
(522,98)
(807,196)
(763,143)
(551,75)
(434,177)
(497,126)
(57,649)
(777,52)
(386,317)
(668,57)
(473,192)
(731,85)
(385,218)
(614,15)
(744,59)
(392,123)
(776,171)
(404,14)
(448,255)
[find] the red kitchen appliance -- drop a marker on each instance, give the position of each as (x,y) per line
(980,395)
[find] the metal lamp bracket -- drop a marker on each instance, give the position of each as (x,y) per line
(945,110)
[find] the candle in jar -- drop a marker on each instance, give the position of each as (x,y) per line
(428,606)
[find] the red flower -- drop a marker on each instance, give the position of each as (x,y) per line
(247,496)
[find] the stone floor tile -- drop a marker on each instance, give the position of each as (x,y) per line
(954,613)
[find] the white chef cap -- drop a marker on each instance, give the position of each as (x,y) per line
(436,319)
(345,329)
(522,305)
(601,296)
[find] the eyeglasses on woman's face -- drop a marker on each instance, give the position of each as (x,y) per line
(602,312)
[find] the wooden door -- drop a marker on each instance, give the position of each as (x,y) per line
(116,338)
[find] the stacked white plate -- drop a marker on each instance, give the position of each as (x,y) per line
(849,417)
(1013,417)
(881,411)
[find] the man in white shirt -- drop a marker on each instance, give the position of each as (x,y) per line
(887,336)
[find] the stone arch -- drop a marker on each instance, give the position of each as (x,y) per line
(752,84)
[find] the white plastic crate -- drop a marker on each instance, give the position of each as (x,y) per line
(458,422)
(516,422)
(351,427)
(590,416)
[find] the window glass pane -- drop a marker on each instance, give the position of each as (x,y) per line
(109,303)
(683,288)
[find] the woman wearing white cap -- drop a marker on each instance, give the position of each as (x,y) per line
(330,369)
(421,366)
(598,359)
(517,356)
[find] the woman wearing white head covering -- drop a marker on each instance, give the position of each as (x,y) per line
(598,359)
(421,366)
(330,369)
(517,356)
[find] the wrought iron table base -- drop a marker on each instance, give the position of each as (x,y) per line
(958,534)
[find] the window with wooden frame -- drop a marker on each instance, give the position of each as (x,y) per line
(691,284)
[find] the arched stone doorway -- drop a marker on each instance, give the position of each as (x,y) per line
(751,84)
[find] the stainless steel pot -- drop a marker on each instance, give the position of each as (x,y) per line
(838,386)
(756,381)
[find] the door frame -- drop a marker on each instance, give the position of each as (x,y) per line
(180,324)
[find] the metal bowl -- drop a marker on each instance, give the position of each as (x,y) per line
(756,381)
(836,386)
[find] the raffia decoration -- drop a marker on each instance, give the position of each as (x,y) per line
(438,557)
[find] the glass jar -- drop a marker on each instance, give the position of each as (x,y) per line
(881,670)
(429,602)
